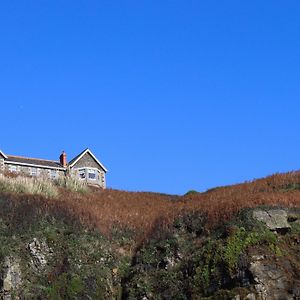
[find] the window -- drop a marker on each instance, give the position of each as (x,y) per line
(92,174)
(33,172)
(53,174)
(81,174)
(12,168)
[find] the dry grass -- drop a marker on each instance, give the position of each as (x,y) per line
(72,184)
(22,184)
(27,185)
(141,213)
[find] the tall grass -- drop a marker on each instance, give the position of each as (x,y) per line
(14,183)
(27,185)
(72,184)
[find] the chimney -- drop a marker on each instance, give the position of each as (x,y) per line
(63,159)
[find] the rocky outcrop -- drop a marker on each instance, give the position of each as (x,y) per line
(271,280)
(274,219)
(245,260)
(10,278)
(39,252)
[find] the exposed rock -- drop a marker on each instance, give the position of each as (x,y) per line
(170,262)
(275,219)
(10,277)
(271,281)
(39,252)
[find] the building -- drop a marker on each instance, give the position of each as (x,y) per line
(84,166)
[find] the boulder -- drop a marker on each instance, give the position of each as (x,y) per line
(274,219)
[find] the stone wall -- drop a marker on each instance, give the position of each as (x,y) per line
(28,171)
(100,176)
(1,164)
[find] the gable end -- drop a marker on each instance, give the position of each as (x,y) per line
(88,158)
(87,161)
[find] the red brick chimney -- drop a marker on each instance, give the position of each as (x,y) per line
(63,159)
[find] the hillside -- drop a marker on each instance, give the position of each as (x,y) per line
(235,242)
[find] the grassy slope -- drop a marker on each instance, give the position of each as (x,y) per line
(142,227)
(140,212)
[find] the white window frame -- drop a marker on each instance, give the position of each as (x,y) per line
(92,171)
(33,172)
(13,169)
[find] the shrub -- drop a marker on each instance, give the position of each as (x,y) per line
(66,287)
(71,183)
(191,192)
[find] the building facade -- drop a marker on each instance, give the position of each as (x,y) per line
(85,167)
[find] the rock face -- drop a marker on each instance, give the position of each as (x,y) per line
(274,219)
(271,280)
(39,252)
(11,278)
(246,260)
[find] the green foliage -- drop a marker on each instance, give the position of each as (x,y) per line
(65,286)
(206,273)
(191,258)
(191,192)
(219,259)
(192,223)
(79,262)
(236,244)
(203,269)
(169,284)
(295,227)
(291,187)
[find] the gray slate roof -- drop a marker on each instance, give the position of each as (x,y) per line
(33,161)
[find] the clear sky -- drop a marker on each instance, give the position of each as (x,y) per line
(169,95)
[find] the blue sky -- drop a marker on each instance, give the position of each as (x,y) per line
(169,95)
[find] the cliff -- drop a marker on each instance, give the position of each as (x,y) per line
(237,242)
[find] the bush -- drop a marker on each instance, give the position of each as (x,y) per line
(191,192)
(71,183)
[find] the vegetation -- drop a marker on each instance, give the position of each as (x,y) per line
(140,213)
(110,244)
(191,192)
(72,184)
(27,185)
(17,184)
